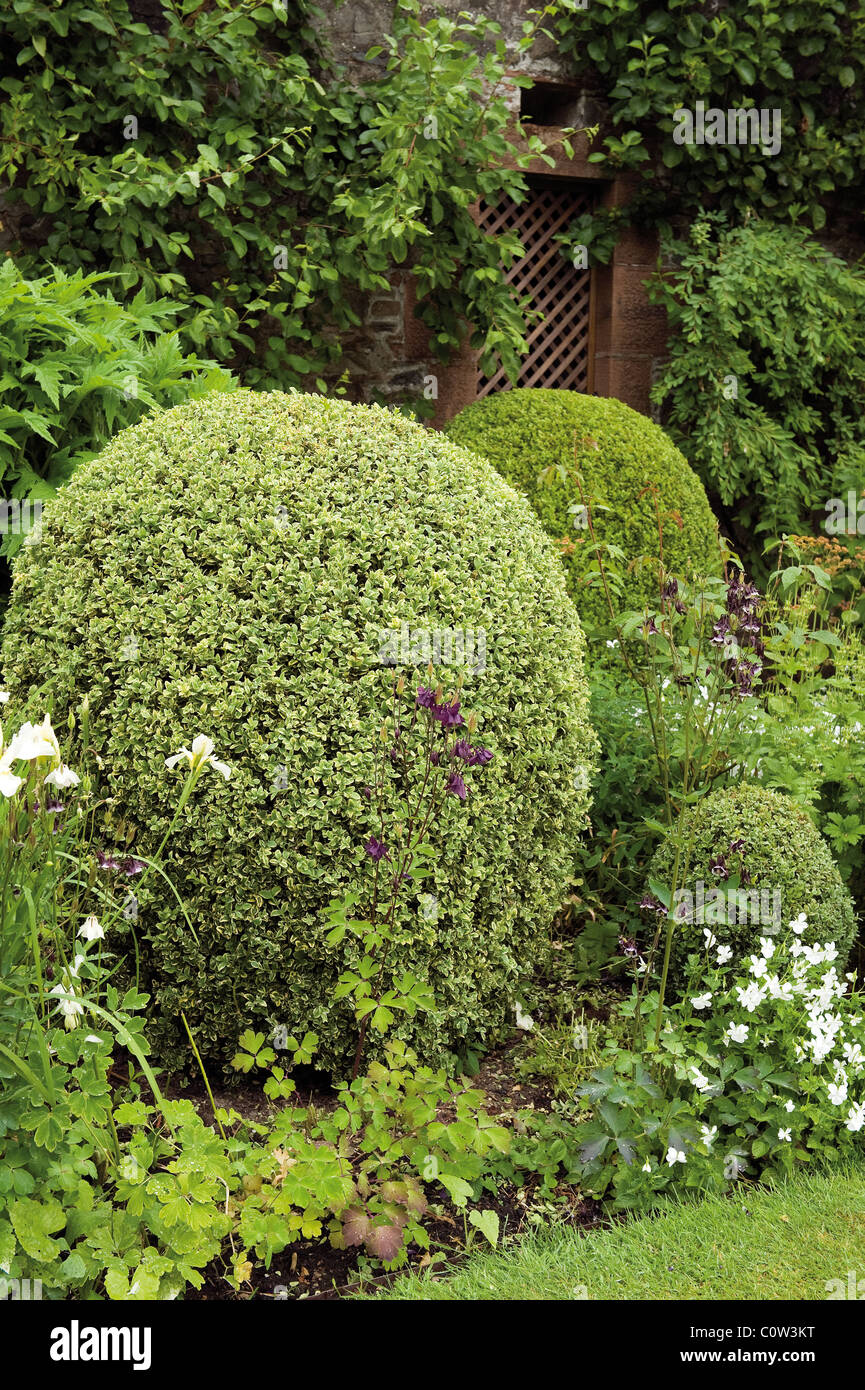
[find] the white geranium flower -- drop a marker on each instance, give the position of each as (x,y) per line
(675,1155)
(701,1082)
(789,1106)
(777,988)
(199,755)
(784,1134)
(702,1001)
(813,954)
(647,1167)
(738,1032)
(751,997)
(856,1117)
(4,697)
(711,939)
(837,1093)
(62,777)
(707,1135)
(524,1021)
(90,930)
(725,953)
(799,924)
(767,947)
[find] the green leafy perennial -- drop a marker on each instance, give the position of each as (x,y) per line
(76,366)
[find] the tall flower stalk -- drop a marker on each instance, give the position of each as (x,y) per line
(696,654)
(425,755)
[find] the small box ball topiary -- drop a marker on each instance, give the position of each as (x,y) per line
(619,452)
(783,866)
(231,567)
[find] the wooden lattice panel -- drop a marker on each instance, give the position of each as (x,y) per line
(559,339)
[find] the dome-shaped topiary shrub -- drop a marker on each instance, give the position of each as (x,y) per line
(756,863)
(234,567)
(524,432)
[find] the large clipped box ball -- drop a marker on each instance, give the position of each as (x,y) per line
(258,568)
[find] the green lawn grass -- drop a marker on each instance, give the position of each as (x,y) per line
(762,1244)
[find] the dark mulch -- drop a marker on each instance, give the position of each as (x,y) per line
(311,1269)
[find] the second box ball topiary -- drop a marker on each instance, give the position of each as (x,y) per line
(621,455)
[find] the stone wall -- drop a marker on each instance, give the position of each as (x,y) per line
(388,358)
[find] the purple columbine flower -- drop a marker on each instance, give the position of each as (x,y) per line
(472,757)
(743,676)
(131,867)
(648,903)
(719,868)
(670,591)
(425,698)
(628,946)
(448,715)
(376,850)
(481,756)
(456,786)
(737,846)
(742,598)
(107,861)
(721,632)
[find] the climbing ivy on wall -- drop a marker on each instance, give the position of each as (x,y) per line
(212,150)
(645,59)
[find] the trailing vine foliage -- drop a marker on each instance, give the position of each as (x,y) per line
(216,154)
(646,59)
